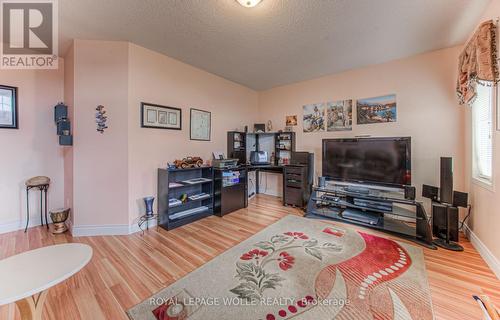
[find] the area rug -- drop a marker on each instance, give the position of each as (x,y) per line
(299,268)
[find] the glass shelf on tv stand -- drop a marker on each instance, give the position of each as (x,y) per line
(365,193)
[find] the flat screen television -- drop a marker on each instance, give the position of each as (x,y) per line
(381,161)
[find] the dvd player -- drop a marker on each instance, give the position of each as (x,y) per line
(360,216)
(370,204)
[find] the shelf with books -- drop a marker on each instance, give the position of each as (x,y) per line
(184,196)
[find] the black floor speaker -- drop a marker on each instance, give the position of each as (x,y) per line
(446,177)
(445,226)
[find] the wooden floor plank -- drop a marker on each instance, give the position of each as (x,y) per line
(127,269)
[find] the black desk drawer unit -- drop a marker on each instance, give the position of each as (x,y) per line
(230,190)
(295,185)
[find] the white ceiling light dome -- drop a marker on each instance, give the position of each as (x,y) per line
(249,3)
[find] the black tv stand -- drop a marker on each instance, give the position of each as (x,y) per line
(377,209)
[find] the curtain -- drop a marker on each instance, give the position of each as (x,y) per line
(478,62)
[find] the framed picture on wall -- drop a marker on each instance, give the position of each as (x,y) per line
(8,108)
(200,125)
(160,117)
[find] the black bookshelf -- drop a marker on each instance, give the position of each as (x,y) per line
(237,146)
(284,146)
(172,185)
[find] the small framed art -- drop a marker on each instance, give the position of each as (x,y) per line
(8,108)
(160,117)
(200,125)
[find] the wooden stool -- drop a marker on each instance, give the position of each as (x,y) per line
(41,183)
(59,217)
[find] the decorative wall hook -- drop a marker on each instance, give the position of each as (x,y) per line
(101,118)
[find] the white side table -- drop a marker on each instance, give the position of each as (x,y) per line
(27,277)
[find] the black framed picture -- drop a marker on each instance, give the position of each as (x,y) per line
(160,117)
(200,125)
(8,108)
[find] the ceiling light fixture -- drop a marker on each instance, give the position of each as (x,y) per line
(249,3)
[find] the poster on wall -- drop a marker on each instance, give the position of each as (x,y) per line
(339,115)
(376,110)
(200,125)
(314,117)
(160,117)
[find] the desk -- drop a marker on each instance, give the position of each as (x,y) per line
(263,168)
(27,277)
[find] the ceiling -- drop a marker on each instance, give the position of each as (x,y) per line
(279,41)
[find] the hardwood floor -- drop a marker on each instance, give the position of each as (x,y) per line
(127,269)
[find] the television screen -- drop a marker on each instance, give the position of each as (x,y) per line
(385,161)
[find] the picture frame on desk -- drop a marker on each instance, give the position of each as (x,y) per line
(9,114)
(156,116)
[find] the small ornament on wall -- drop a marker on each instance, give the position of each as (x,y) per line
(101,118)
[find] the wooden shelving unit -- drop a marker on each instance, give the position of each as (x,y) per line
(172,185)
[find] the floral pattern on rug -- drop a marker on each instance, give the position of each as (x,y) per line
(291,266)
(253,275)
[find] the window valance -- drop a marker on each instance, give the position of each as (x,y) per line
(478,62)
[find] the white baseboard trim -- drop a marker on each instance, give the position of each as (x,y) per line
(483,250)
(100,230)
(20,224)
(107,230)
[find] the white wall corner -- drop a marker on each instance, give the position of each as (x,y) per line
(483,250)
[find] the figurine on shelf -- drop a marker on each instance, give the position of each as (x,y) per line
(269,126)
(189,162)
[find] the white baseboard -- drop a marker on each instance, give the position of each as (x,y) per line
(100,230)
(483,250)
(20,224)
(107,230)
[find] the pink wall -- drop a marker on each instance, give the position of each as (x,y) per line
(426,109)
(69,100)
(485,217)
(100,161)
(158,79)
(33,149)
(110,173)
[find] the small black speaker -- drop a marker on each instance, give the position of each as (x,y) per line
(430,192)
(446,176)
(63,127)
(410,192)
(66,140)
(321,182)
(460,199)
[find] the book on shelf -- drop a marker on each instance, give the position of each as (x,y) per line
(189,212)
(197,180)
(174,185)
(172,202)
(199,196)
